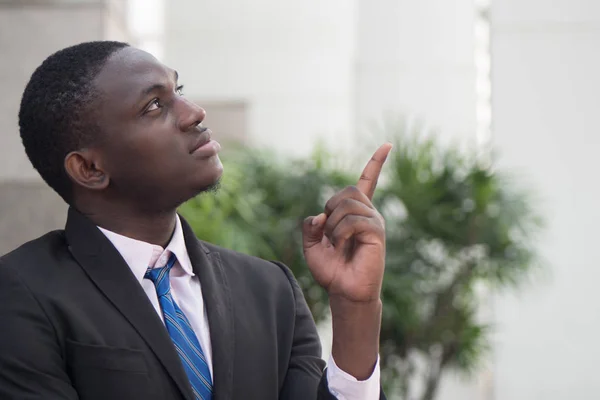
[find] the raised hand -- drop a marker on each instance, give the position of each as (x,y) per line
(344,247)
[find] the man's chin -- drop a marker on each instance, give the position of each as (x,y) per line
(213,188)
(212,184)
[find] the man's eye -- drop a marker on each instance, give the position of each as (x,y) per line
(179,90)
(155,105)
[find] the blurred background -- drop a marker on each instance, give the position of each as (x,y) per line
(490,198)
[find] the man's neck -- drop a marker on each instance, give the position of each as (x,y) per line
(156,228)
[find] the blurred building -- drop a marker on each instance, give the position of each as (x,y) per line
(30,30)
(289,74)
(545,78)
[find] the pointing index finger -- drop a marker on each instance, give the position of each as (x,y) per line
(370,175)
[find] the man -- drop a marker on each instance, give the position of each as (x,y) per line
(126,303)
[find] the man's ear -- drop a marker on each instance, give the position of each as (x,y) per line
(83,167)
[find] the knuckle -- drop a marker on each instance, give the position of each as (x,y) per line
(330,205)
(375,224)
(343,225)
(347,202)
(351,219)
(380,230)
(352,189)
(381,219)
(365,177)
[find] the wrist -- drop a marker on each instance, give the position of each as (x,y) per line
(356,327)
(344,303)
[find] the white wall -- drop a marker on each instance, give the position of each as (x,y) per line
(146,23)
(28,34)
(324,70)
(291,62)
(416,57)
(24,50)
(545,76)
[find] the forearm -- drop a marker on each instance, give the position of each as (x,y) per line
(356,328)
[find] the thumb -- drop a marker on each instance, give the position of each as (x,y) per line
(312,231)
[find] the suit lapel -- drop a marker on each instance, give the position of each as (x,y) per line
(208,267)
(109,272)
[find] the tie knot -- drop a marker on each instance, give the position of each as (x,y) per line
(160,276)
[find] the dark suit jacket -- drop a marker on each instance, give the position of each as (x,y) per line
(75,324)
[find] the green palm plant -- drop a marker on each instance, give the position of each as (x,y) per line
(260,206)
(451,223)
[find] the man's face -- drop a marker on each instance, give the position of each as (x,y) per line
(154,148)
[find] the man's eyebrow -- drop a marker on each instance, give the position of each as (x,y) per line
(152,88)
(157,86)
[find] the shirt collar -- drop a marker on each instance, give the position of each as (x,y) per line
(137,254)
(177,246)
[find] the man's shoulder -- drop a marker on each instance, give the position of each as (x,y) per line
(36,252)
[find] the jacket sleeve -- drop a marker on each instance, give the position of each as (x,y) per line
(306,376)
(31,364)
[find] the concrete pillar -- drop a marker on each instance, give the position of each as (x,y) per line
(31,30)
(545,80)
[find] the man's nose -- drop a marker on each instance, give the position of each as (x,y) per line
(192,115)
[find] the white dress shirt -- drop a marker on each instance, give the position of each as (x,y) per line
(186,290)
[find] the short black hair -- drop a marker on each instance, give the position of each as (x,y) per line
(55,117)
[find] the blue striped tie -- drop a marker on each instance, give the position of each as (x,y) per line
(183,336)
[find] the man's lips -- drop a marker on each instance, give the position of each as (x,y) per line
(203,139)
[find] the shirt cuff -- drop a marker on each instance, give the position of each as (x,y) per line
(346,387)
